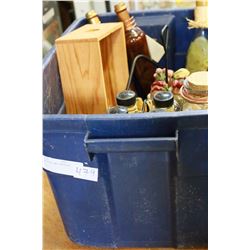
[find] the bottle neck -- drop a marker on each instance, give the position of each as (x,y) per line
(94,20)
(200,32)
(92,17)
(129,22)
(123,15)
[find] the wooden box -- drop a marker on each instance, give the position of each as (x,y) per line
(93,67)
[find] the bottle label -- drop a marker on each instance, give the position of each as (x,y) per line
(156,50)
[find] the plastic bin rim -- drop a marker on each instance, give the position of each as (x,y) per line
(126,116)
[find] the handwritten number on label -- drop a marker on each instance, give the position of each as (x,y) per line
(86,173)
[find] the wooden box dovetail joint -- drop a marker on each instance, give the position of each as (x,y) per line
(93,67)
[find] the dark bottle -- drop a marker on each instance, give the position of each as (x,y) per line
(92,17)
(136,44)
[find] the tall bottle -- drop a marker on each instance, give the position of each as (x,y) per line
(92,17)
(136,44)
(197,54)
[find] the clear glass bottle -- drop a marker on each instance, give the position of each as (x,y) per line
(127,98)
(136,44)
(92,17)
(163,102)
(197,54)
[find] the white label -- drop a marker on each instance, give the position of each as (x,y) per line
(72,168)
(86,173)
(156,50)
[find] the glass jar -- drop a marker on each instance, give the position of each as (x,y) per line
(163,102)
(128,99)
(149,104)
(195,92)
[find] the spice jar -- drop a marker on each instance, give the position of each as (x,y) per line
(163,101)
(195,91)
(149,104)
(128,99)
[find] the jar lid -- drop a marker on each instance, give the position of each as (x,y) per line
(198,81)
(126,98)
(163,99)
(120,7)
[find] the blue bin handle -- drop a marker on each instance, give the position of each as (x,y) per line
(114,145)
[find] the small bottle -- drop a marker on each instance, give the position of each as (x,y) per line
(163,102)
(127,98)
(136,44)
(92,17)
(197,54)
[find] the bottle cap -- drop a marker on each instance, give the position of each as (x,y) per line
(126,98)
(163,99)
(201,3)
(120,7)
(90,14)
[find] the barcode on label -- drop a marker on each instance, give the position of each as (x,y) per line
(86,173)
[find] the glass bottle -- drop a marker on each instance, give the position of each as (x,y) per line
(127,99)
(136,44)
(92,17)
(163,102)
(197,55)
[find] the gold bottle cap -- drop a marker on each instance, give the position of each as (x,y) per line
(90,14)
(120,7)
(201,3)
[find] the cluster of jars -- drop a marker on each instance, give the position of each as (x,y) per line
(127,102)
(193,95)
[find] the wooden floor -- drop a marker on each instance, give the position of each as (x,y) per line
(54,236)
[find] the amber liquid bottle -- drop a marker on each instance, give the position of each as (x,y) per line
(92,17)
(136,44)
